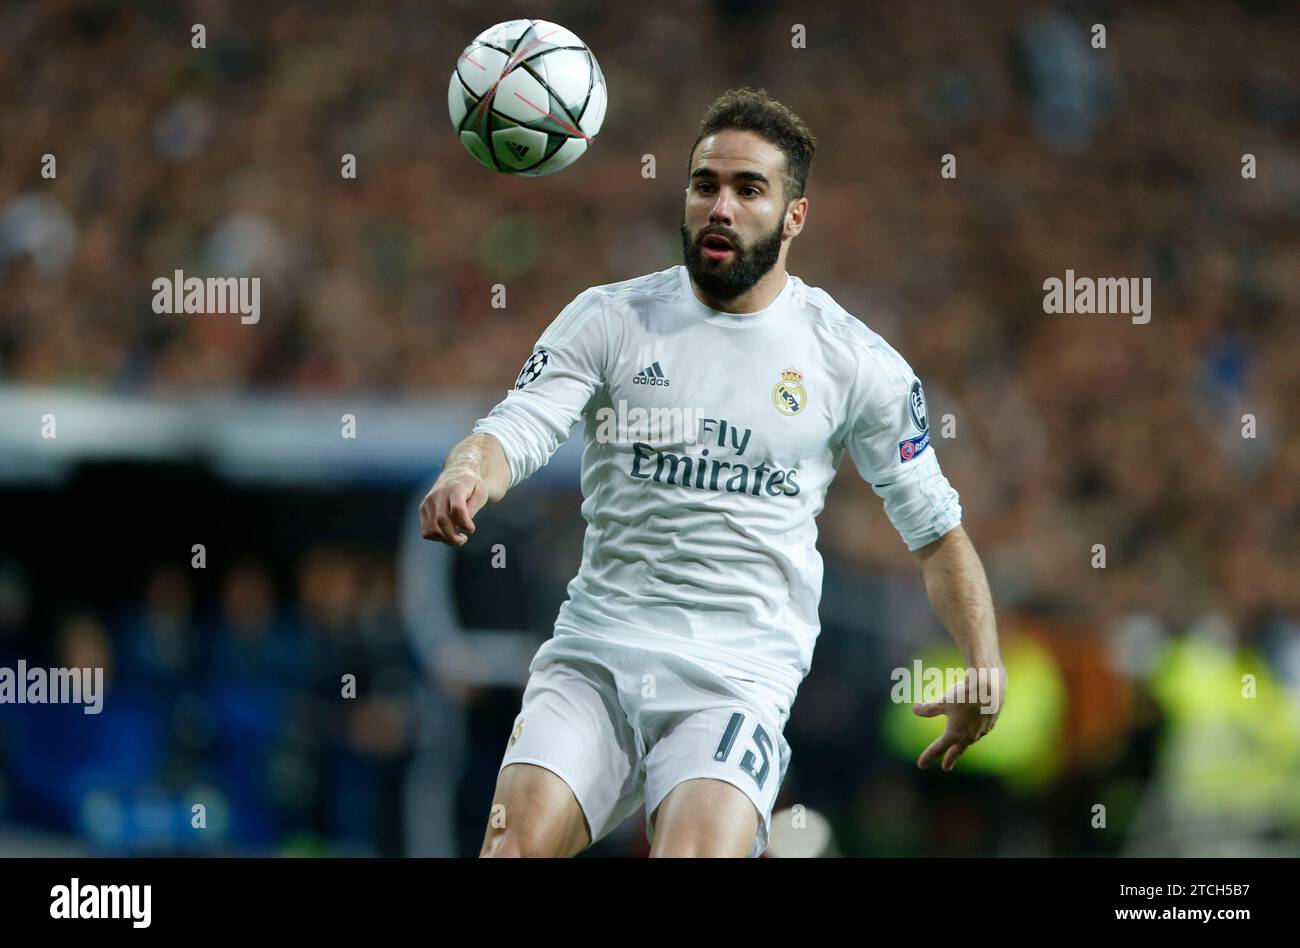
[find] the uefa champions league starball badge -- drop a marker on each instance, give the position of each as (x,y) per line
(532,367)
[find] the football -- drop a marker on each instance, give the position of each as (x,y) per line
(527,97)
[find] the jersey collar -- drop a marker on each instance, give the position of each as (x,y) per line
(736,320)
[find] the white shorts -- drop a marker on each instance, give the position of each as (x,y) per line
(623,724)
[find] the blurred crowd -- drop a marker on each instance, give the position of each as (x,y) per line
(1124,483)
(1069,431)
(292,704)
(285,715)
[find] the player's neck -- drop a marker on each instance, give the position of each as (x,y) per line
(757,297)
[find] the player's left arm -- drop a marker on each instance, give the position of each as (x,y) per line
(889,440)
(959,592)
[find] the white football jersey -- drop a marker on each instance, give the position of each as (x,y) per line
(711,439)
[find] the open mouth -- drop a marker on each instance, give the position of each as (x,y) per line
(715,247)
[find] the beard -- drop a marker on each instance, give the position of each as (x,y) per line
(726,279)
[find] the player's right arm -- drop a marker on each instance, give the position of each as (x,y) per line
(475,473)
(527,427)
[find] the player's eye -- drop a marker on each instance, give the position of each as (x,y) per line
(704,187)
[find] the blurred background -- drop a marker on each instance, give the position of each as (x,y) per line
(200,528)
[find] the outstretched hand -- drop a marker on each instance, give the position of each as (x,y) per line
(972,707)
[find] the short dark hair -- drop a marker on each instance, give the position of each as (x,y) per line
(753,110)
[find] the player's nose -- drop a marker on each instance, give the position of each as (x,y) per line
(721,211)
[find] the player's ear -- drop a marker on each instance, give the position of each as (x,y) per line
(796,214)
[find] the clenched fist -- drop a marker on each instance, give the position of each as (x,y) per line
(447,511)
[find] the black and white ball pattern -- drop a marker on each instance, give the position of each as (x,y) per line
(527,97)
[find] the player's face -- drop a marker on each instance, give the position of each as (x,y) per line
(735,193)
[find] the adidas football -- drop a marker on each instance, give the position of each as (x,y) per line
(527,97)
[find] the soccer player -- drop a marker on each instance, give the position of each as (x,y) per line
(692,620)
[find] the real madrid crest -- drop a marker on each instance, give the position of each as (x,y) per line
(789,396)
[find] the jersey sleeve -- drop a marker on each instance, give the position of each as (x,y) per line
(554,387)
(889,441)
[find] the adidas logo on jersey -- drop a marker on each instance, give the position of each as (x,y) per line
(651,375)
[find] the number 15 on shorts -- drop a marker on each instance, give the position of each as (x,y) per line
(748,759)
